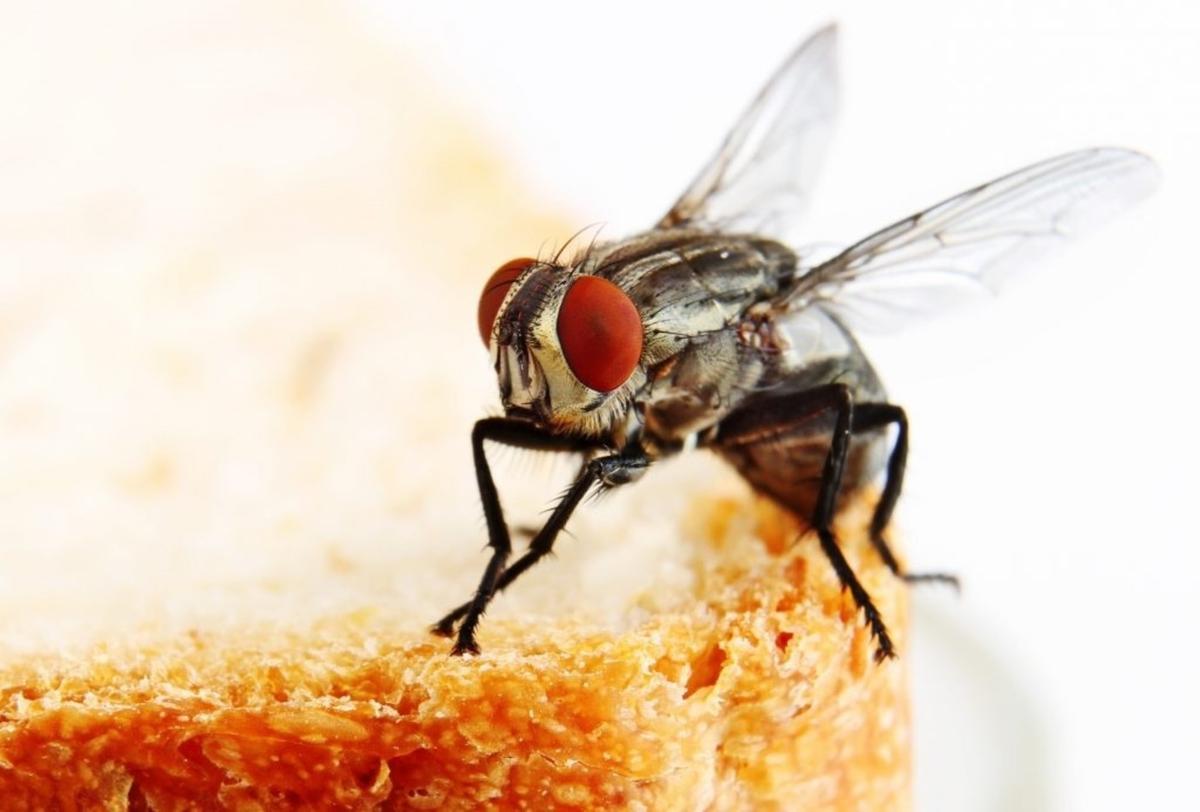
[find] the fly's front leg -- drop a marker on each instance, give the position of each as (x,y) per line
(609,472)
(775,420)
(519,434)
(868,417)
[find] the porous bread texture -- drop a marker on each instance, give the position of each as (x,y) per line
(755,690)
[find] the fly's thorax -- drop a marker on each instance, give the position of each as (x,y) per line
(693,288)
(693,390)
(690,284)
(534,369)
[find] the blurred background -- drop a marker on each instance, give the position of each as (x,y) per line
(177,183)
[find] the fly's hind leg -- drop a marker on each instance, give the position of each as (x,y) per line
(869,417)
(777,418)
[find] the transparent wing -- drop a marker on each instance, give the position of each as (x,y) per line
(761,178)
(969,244)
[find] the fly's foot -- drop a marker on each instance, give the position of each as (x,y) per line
(443,628)
(885,552)
(933,578)
(466,637)
(884,648)
(465,646)
(446,626)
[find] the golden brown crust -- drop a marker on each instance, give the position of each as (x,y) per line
(761,696)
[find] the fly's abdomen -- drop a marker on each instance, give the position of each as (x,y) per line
(789,469)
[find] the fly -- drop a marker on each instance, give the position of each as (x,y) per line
(710,330)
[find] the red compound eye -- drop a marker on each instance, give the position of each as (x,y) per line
(600,332)
(494,292)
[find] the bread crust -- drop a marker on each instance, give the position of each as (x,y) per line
(760,695)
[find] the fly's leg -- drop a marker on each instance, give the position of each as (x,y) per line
(446,626)
(831,482)
(772,421)
(520,434)
(868,417)
(610,471)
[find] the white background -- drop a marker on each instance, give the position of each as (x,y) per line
(1054,445)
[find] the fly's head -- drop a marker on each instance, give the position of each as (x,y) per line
(566,346)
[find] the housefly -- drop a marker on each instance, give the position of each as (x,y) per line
(711,330)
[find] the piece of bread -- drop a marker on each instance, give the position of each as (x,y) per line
(239,373)
(753,689)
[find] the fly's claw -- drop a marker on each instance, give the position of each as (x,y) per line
(465,647)
(884,648)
